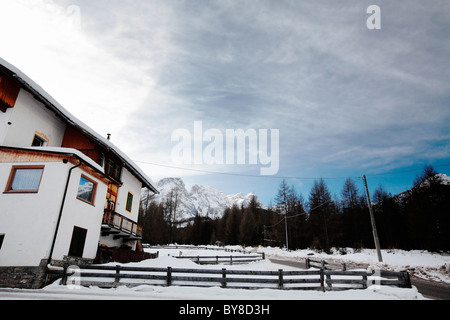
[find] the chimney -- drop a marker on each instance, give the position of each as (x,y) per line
(109,136)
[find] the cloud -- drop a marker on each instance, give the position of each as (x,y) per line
(47,41)
(343,96)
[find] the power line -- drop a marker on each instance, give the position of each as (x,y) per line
(300,214)
(282,177)
(403,171)
(242,174)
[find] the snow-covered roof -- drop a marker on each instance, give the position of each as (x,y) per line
(53,105)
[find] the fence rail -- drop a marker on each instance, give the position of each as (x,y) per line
(325,280)
(325,265)
(224,259)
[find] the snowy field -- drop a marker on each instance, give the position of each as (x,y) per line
(421,263)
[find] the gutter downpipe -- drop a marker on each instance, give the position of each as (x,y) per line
(49,261)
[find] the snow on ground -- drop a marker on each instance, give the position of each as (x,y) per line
(146,292)
(394,260)
(422,264)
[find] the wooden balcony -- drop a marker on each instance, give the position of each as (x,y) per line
(120,226)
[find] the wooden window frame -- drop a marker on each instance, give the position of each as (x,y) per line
(12,175)
(111,193)
(94,191)
(129,203)
(41,138)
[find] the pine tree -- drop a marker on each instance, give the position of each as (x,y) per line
(320,211)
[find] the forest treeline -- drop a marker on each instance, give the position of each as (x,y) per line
(416,219)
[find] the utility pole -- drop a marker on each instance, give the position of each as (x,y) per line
(285,226)
(372,219)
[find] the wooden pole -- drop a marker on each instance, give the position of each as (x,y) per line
(286,227)
(372,219)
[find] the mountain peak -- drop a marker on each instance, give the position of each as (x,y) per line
(204,200)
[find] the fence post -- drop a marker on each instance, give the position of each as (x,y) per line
(323,264)
(231,260)
(405,279)
(280,279)
(117,277)
(224,278)
(217,259)
(329,285)
(169,276)
(365,282)
(322,285)
(64,278)
(307,263)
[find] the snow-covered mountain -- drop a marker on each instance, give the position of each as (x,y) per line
(205,200)
(441,178)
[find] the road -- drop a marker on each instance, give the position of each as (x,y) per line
(429,289)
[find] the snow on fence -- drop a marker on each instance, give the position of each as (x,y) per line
(324,280)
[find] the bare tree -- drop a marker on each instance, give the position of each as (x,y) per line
(171,213)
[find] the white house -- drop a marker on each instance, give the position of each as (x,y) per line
(67,195)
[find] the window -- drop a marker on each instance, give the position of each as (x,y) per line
(2,237)
(78,241)
(113,169)
(111,197)
(24,179)
(39,141)
(86,190)
(129,202)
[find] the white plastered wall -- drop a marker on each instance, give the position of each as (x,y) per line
(29,220)
(133,185)
(83,215)
(27,118)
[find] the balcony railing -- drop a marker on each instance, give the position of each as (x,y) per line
(117,221)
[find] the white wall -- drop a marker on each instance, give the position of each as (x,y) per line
(29,220)
(83,215)
(4,119)
(133,185)
(27,117)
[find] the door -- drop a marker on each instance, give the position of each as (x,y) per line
(78,240)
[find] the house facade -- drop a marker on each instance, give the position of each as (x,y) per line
(67,195)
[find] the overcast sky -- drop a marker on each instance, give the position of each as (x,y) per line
(347,100)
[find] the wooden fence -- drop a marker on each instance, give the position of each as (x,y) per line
(322,264)
(113,276)
(224,259)
(125,256)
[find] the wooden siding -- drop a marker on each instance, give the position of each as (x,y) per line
(24,156)
(76,140)
(9,91)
